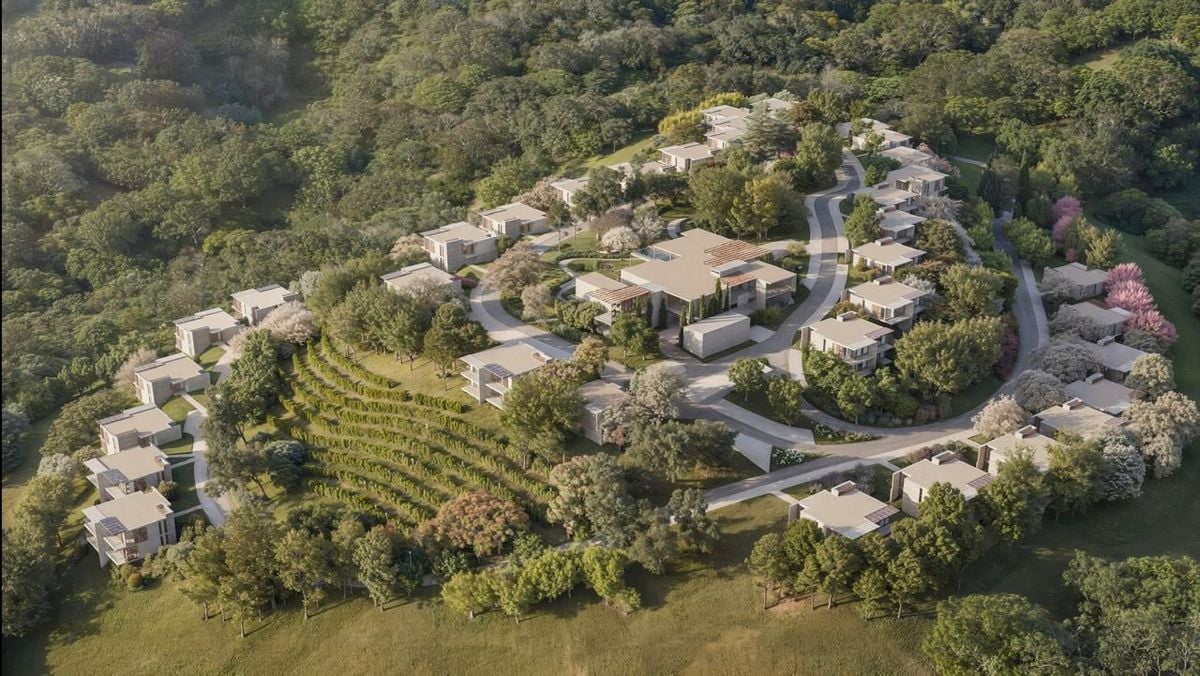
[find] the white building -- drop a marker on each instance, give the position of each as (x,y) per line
(600,398)
(254,305)
(885,255)
(421,276)
(887,301)
(1101,394)
(514,220)
(686,156)
(452,246)
(144,425)
(911,484)
(197,333)
(860,343)
(901,226)
(1117,358)
(164,378)
(847,511)
(713,335)
(127,472)
(1081,281)
(1076,417)
(491,373)
(130,528)
(995,452)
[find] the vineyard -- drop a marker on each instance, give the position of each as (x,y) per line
(398,454)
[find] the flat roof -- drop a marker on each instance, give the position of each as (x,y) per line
(689,151)
(133,463)
(896,219)
(147,418)
(850,331)
(131,512)
(1038,445)
(888,252)
(1115,356)
(514,358)
(412,274)
(213,319)
(906,155)
(513,211)
(689,274)
(713,248)
(1075,416)
(887,292)
(727,111)
(461,230)
(1079,273)
(726,133)
(849,512)
(844,128)
(887,195)
(648,167)
(915,171)
(600,395)
(267,296)
(1101,394)
(717,322)
(178,366)
(962,475)
(1103,315)
(600,281)
(570,184)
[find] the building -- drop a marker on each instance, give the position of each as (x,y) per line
(687,156)
(1117,358)
(718,115)
(887,301)
(889,198)
(1076,417)
(127,472)
(144,425)
(611,294)
(917,179)
(847,511)
(885,254)
(873,130)
(1078,279)
(1102,394)
(567,188)
(421,276)
(514,220)
(195,334)
(130,528)
(702,267)
(713,335)
(907,156)
(254,305)
(995,452)
(901,226)
(453,246)
(164,378)
(860,343)
(725,136)
(491,373)
(1110,320)
(911,484)
(600,398)
(647,168)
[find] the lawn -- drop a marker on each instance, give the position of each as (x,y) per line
(758,403)
(209,357)
(180,447)
(186,497)
(618,354)
(969,174)
(623,154)
(974,395)
(14,481)
(177,409)
(422,377)
(609,267)
(584,242)
(703,618)
(976,147)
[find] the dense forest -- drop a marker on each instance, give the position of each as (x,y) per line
(158,156)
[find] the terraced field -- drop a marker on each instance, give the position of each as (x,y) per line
(398,454)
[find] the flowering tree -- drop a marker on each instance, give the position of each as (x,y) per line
(1125,272)
(1154,323)
(1131,295)
(621,240)
(1001,416)
(1066,207)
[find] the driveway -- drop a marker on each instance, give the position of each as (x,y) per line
(215,508)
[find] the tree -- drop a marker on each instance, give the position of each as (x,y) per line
(591,355)
(873,592)
(344,539)
(786,397)
(766,135)
(839,563)
(514,270)
(305,564)
(591,498)
(252,386)
(1076,466)
(949,357)
(451,335)
(714,190)
(515,593)
(376,565)
(761,205)
(747,376)
(1124,468)
(689,512)
(768,563)
(862,225)
(818,156)
(654,546)
(537,302)
(995,634)
(543,407)
(478,521)
(1016,500)
(469,593)
(909,580)
(1103,249)
(941,240)
(632,333)
(604,572)
(205,568)
(1001,416)
(1030,242)
(970,291)
(1153,374)
(1163,427)
(655,392)
(620,240)
(233,467)
(1036,391)
(553,572)
(251,536)
(12,427)
(674,447)
(1068,360)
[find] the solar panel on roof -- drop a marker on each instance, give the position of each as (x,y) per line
(112,525)
(498,370)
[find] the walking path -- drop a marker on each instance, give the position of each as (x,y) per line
(965,160)
(215,508)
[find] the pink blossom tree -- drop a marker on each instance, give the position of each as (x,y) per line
(1131,295)
(1058,232)
(1071,255)
(1066,208)
(1125,272)
(1153,322)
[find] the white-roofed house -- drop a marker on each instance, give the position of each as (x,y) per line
(901,226)
(126,472)
(716,115)
(599,399)
(873,130)
(889,198)
(1076,417)
(1117,358)
(130,528)
(614,295)
(197,333)
(421,276)
(1081,281)
(1101,394)
(911,484)
(567,188)
(888,301)
(860,343)
(712,335)
(144,425)
(514,220)
(907,156)
(452,246)
(686,156)
(1111,320)
(254,305)
(491,373)
(847,511)
(164,378)
(886,255)
(996,451)
(918,179)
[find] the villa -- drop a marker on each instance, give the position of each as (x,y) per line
(514,220)
(1117,358)
(421,276)
(687,156)
(164,378)
(137,427)
(889,137)
(917,179)
(718,115)
(901,226)
(254,305)
(611,294)
(453,246)
(885,254)
(713,335)
(1110,320)
(1102,394)
(128,472)
(889,198)
(993,453)
(888,301)
(1077,418)
(130,528)
(856,341)
(567,188)
(911,484)
(491,373)
(195,334)
(847,511)
(1081,281)
(600,398)
(907,156)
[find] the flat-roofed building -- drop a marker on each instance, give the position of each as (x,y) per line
(918,179)
(1101,394)
(687,156)
(1116,358)
(599,400)
(1076,417)
(907,156)
(164,378)
(911,484)
(873,131)
(491,373)
(130,471)
(421,276)
(901,226)
(847,511)
(254,305)
(140,426)
(886,255)
(453,246)
(567,188)
(713,335)
(889,198)
(887,301)
(724,114)
(860,343)
(514,220)
(130,528)
(1081,281)
(1110,320)
(996,451)
(197,333)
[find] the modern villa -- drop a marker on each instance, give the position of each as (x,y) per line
(420,275)
(130,528)
(687,156)
(911,484)
(1076,417)
(1111,320)
(1102,394)
(993,453)
(127,472)
(847,511)
(885,254)
(144,425)
(887,301)
(197,333)
(713,335)
(164,378)
(491,373)
(901,226)
(918,179)
(1078,278)
(599,399)
(254,305)
(907,156)
(514,220)
(567,188)
(1116,358)
(860,343)
(889,138)
(450,247)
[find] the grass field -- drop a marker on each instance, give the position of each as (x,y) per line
(623,154)
(969,174)
(209,357)
(177,409)
(185,476)
(976,147)
(700,619)
(14,482)
(184,445)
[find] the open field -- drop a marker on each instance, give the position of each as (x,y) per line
(623,154)
(702,618)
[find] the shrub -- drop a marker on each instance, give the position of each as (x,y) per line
(1155,324)
(169,489)
(133,581)
(1037,391)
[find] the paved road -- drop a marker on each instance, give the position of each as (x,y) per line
(215,508)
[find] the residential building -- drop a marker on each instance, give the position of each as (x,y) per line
(725,136)
(567,188)
(130,528)
(1102,394)
(776,106)
(137,427)
(491,373)
(687,156)
(164,378)
(254,305)
(197,333)
(718,115)
(887,301)
(995,452)
(702,267)
(847,511)
(873,130)
(514,220)
(600,398)
(885,254)
(1076,417)
(901,226)
(614,295)
(713,335)
(911,484)
(860,343)
(1081,281)
(889,198)
(649,167)
(453,246)
(919,180)
(1110,320)
(126,472)
(421,276)
(1116,358)
(907,156)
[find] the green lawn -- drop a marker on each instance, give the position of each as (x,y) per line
(422,377)
(583,242)
(976,147)
(702,618)
(209,357)
(623,154)
(184,445)
(186,498)
(608,267)
(14,482)
(177,409)
(969,174)
(974,395)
